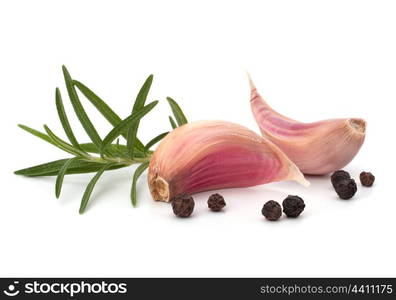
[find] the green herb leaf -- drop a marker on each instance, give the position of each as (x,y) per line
(100,105)
(90,186)
(139,103)
(42,169)
(62,144)
(105,110)
(172,122)
(61,175)
(37,133)
(52,168)
(155,140)
(177,112)
(64,120)
(139,170)
(79,109)
(116,131)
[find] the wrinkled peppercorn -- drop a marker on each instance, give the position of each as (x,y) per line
(367,179)
(338,176)
(183,205)
(293,206)
(216,202)
(346,188)
(272,210)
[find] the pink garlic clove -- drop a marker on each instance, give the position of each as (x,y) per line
(316,148)
(208,155)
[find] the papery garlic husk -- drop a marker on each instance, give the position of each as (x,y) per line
(316,148)
(211,155)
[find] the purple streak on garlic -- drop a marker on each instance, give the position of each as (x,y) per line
(209,155)
(316,148)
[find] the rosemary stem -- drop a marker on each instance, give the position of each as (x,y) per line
(118,160)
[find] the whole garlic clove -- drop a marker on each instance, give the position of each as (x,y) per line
(208,155)
(316,148)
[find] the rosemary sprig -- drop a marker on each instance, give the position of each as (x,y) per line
(100,155)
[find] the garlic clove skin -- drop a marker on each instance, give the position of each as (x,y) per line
(208,155)
(316,148)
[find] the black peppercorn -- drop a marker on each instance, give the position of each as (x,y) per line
(183,205)
(293,206)
(346,188)
(272,210)
(339,175)
(216,202)
(367,179)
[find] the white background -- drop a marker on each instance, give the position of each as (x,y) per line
(310,59)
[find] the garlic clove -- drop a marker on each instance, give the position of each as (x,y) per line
(316,148)
(208,155)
